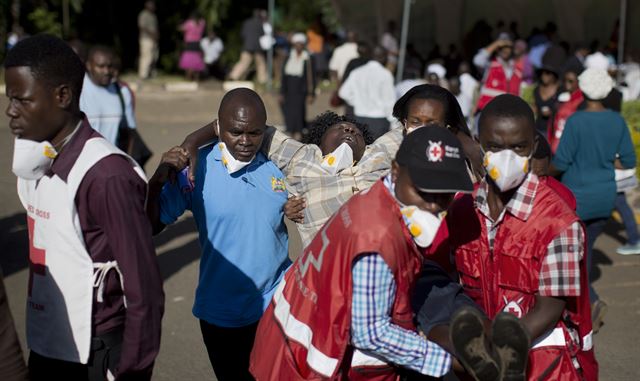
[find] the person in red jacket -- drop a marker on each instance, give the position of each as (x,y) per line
(502,72)
(519,248)
(343,310)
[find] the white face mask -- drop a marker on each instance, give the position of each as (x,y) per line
(31,159)
(339,159)
(506,168)
(231,163)
(422,224)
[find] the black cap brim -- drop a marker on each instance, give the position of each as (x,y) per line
(440,181)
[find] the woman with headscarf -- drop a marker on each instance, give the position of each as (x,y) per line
(594,143)
(298,86)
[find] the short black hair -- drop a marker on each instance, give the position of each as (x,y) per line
(322,122)
(51,60)
(452,112)
(507,106)
(100,49)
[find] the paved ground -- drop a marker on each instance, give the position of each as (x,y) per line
(164,118)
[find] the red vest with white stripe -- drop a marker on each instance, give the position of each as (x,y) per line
(497,82)
(508,279)
(305,332)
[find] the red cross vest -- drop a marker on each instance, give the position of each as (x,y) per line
(305,332)
(565,110)
(497,82)
(508,279)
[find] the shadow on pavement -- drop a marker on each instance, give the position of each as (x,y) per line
(175,259)
(14,244)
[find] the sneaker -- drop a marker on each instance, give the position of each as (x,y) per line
(598,310)
(629,249)
(511,342)
(472,346)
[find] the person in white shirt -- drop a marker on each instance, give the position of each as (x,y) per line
(212,47)
(99,99)
(370,90)
(390,42)
(341,57)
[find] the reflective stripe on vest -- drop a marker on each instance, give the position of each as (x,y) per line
(362,359)
(301,333)
(587,341)
(554,338)
(491,91)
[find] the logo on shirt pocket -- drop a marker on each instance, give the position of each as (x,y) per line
(277,184)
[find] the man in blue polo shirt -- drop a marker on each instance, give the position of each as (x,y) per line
(237,202)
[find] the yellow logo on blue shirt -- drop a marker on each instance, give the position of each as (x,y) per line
(277,184)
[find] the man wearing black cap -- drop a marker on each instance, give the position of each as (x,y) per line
(343,310)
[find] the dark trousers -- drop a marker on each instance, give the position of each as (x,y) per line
(628,218)
(594,228)
(104,357)
(12,366)
(377,126)
(229,350)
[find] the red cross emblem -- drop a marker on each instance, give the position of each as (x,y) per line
(435,151)
(36,256)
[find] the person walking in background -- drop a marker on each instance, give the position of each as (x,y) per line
(298,86)
(626,180)
(567,103)
(191,58)
(148,39)
(501,73)
(341,57)
(252,30)
(546,92)
(595,141)
(389,41)
(100,100)
(212,47)
(369,89)
(316,47)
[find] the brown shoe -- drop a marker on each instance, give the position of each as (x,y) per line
(472,346)
(511,342)
(598,310)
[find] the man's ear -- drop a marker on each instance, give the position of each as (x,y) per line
(64,96)
(395,171)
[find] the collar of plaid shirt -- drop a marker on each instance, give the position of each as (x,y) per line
(520,205)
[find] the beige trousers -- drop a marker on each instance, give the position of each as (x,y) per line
(240,68)
(148,56)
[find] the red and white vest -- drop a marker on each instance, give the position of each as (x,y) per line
(508,279)
(497,83)
(305,332)
(62,275)
(565,110)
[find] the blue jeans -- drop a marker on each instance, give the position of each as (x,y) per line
(628,218)
(593,229)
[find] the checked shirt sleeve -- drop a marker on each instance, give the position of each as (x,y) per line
(374,291)
(560,272)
